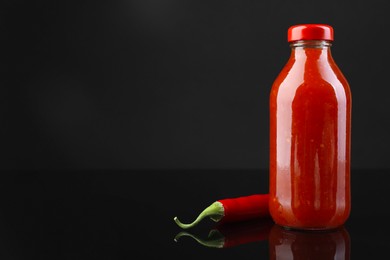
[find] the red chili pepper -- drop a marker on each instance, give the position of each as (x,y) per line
(233,210)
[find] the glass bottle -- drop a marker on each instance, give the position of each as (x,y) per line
(310,133)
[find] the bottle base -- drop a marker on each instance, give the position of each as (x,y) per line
(311,229)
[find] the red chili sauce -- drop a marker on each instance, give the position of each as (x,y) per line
(310,114)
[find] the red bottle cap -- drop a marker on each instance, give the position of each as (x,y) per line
(310,32)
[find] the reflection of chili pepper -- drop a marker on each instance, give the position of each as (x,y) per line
(235,234)
(233,210)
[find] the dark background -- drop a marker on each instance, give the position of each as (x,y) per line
(150,84)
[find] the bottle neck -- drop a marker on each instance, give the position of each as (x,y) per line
(311,49)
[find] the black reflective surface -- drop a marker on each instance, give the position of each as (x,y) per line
(127,214)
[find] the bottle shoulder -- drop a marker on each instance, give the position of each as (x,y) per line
(317,76)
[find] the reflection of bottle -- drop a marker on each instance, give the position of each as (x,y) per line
(296,245)
(231,235)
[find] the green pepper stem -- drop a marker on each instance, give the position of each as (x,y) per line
(215,211)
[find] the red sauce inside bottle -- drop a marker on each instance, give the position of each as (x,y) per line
(310,125)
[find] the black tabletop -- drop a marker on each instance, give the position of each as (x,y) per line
(124,214)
